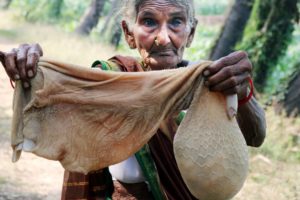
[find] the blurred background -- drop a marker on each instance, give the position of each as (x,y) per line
(83,31)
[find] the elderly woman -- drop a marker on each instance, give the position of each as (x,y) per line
(160,30)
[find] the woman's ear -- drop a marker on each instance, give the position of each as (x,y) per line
(192,33)
(129,37)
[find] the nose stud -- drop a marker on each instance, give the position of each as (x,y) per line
(156,41)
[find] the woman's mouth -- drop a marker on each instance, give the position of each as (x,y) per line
(163,53)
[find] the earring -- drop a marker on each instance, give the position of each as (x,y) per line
(132,45)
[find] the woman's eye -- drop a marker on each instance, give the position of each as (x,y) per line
(176,22)
(149,22)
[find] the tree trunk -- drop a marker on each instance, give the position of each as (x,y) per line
(7,4)
(110,16)
(55,9)
(268,34)
(290,102)
(112,29)
(233,28)
(91,17)
(116,34)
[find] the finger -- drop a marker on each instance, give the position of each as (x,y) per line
(244,66)
(230,91)
(2,54)
(21,61)
(34,53)
(224,74)
(38,49)
(21,64)
(240,90)
(10,65)
(231,59)
(234,83)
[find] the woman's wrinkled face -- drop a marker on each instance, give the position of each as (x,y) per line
(166,23)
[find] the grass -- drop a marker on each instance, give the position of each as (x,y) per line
(8,34)
(274,167)
(283,139)
(203,41)
(2,181)
(53,40)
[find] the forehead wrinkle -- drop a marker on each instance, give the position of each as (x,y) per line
(158,6)
(152,12)
(146,13)
(156,12)
(177,14)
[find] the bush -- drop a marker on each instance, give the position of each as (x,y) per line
(212,7)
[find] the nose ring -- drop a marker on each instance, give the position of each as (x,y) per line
(156,41)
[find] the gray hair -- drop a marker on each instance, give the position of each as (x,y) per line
(130,9)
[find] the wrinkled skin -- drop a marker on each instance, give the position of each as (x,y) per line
(168,24)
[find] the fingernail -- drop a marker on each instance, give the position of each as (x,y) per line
(26,85)
(206,73)
(231,113)
(17,77)
(30,73)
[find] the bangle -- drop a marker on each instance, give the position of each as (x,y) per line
(12,84)
(246,99)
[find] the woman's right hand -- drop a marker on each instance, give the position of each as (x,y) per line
(21,63)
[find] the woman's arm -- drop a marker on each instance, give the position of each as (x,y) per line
(251,119)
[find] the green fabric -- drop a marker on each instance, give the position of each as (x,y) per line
(103,65)
(96,63)
(180,117)
(147,165)
(106,65)
(108,182)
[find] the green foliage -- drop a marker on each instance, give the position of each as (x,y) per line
(27,7)
(2,181)
(278,80)
(268,35)
(283,141)
(11,34)
(212,7)
(72,12)
(204,38)
(65,12)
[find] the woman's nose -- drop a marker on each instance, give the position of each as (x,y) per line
(163,37)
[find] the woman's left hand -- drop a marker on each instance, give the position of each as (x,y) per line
(229,74)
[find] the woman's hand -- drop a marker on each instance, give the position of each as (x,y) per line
(229,74)
(21,63)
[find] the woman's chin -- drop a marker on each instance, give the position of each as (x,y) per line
(164,62)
